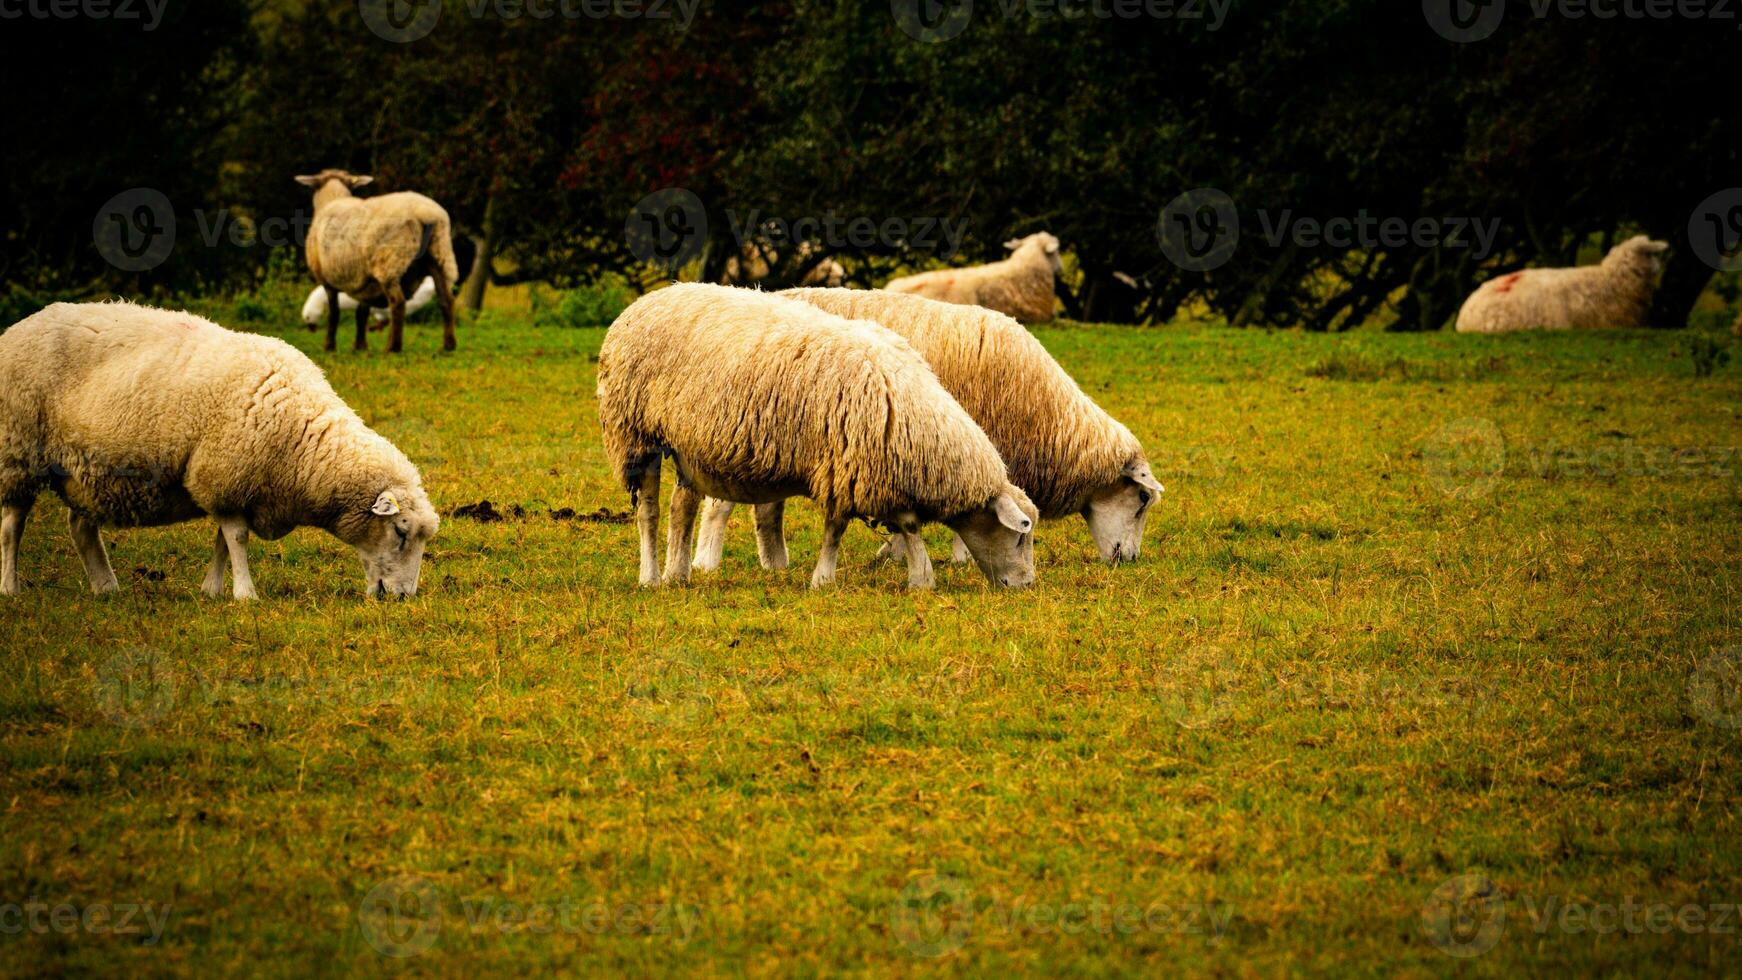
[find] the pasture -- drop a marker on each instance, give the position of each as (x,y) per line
(1429,665)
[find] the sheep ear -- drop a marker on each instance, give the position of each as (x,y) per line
(1052,246)
(362,179)
(1013,244)
(386,505)
(310,180)
(1010,515)
(1139,474)
(1655,247)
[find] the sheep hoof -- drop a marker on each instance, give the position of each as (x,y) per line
(450,347)
(104,588)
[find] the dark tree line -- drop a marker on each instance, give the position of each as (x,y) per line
(540,135)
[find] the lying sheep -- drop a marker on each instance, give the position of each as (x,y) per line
(1060,447)
(1020,286)
(374,248)
(1614,293)
(757,398)
(314,309)
(757,260)
(139,417)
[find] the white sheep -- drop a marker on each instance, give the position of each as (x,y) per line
(139,417)
(1021,286)
(314,310)
(757,398)
(1616,292)
(1061,448)
(374,248)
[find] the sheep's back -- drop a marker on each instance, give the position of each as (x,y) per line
(773,390)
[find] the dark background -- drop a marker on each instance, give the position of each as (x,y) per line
(540,135)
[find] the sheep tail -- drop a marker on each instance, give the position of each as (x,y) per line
(439,240)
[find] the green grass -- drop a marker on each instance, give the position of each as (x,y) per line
(1412,607)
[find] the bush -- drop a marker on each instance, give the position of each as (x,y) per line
(590,306)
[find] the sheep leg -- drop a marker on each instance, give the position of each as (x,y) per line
(332,318)
(894,548)
(958,549)
(362,327)
(445,300)
(214,583)
(685,501)
(771,534)
(646,496)
(395,316)
(235,533)
(919,575)
(11,533)
(833,528)
(711,541)
(89,540)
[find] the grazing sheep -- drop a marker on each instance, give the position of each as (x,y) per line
(139,417)
(757,398)
(758,259)
(1069,455)
(1614,293)
(373,248)
(314,310)
(1020,286)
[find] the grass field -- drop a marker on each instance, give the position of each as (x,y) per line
(1429,666)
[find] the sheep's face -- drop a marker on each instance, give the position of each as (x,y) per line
(390,540)
(1048,245)
(1117,513)
(1643,252)
(1000,536)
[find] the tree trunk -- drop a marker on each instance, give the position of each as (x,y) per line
(472,296)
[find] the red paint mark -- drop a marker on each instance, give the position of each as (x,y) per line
(1507,282)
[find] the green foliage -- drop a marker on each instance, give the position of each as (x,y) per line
(1709,355)
(583,306)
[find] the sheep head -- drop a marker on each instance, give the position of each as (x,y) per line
(1116,512)
(1000,536)
(1641,252)
(331,184)
(390,534)
(1048,245)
